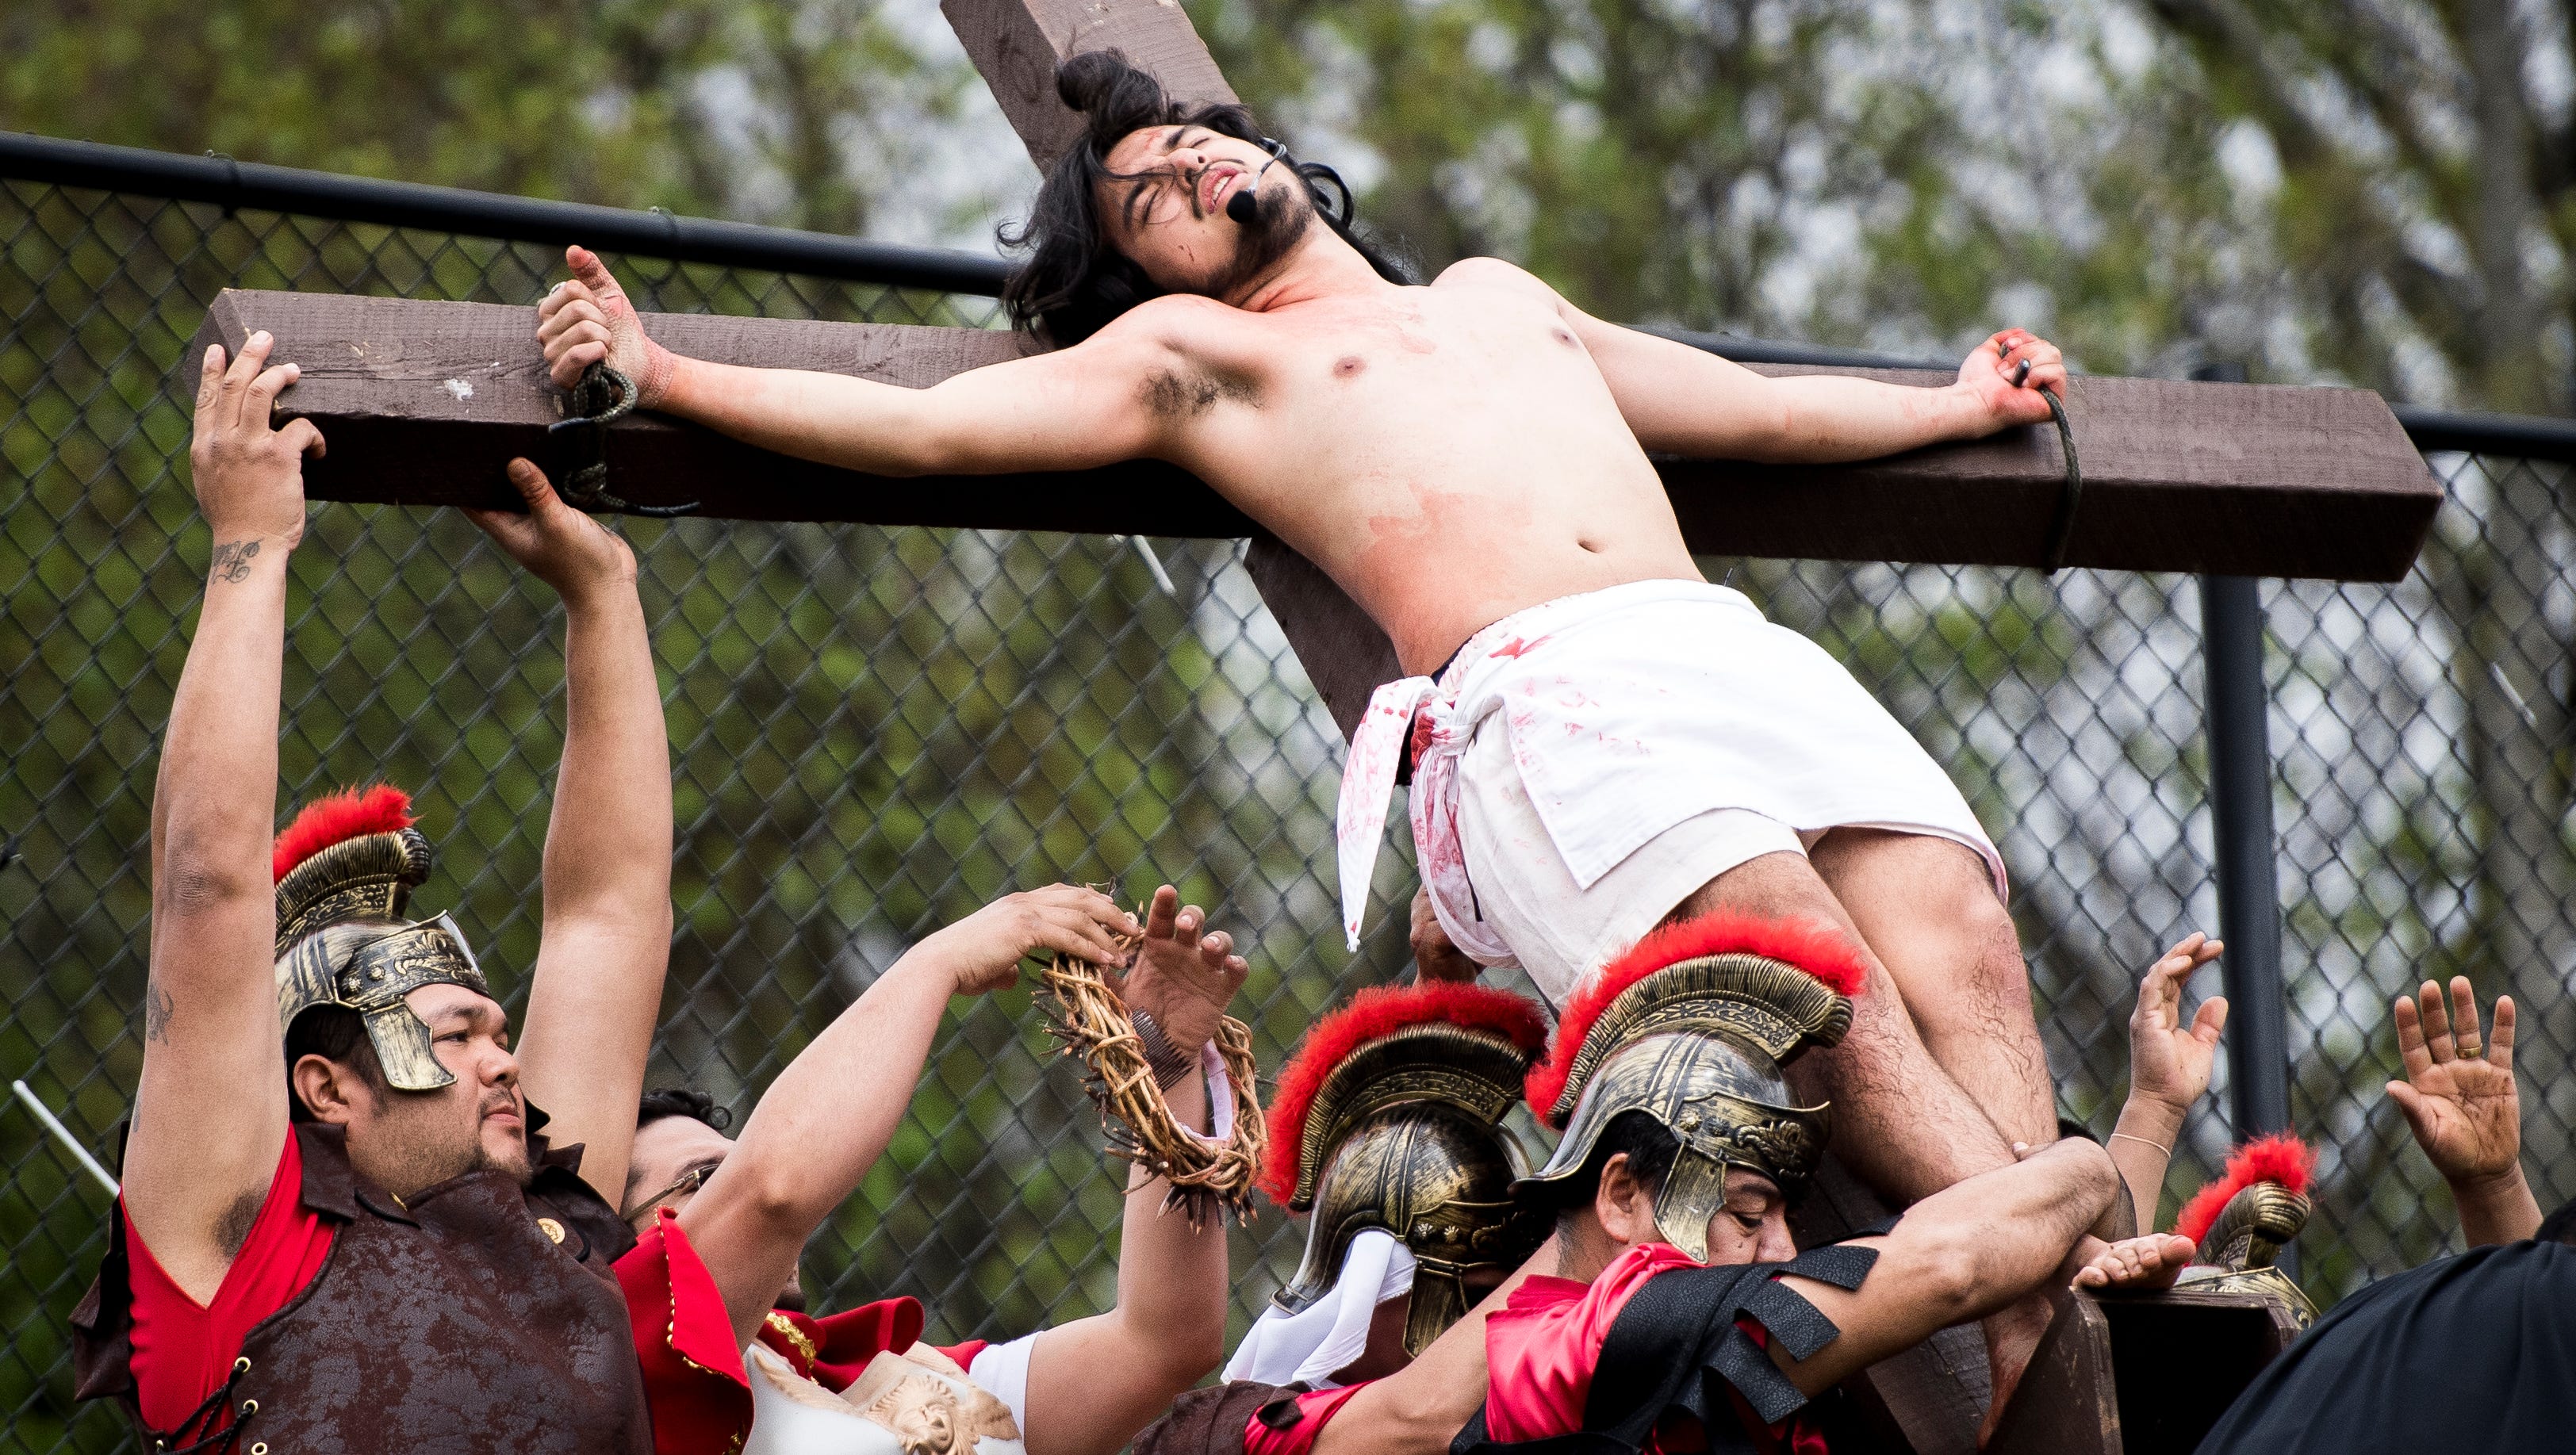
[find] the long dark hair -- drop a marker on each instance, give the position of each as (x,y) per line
(1074,282)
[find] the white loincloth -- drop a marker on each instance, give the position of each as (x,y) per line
(1660,722)
(1307,1347)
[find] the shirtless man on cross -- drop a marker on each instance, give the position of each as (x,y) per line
(1601,739)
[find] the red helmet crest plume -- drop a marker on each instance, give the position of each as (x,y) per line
(334,818)
(1822,952)
(1373,1013)
(2281,1158)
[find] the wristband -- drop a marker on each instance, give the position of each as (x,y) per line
(1170,1064)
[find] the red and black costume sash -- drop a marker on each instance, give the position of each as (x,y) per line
(1676,1349)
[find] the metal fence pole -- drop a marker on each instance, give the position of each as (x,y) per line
(2240,793)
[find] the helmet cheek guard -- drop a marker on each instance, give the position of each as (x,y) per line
(1725,1102)
(1392,1111)
(1697,1042)
(1440,1182)
(342,941)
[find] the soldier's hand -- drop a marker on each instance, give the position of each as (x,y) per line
(2169,1061)
(588,320)
(2459,1095)
(1182,978)
(557,544)
(1435,956)
(983,951)
(249,477)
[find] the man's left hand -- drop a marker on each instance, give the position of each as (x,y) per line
(558,545)
(1993,375)
(1180,977)
(2137,1265)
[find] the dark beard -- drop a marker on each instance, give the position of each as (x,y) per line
(1279,221)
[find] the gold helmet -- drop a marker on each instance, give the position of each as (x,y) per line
(345,870)
(2241,1222)
(1692,1027)
(1389,1117)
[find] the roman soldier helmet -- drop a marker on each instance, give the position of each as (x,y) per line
(1692,1027)
(2241,1222)
(345,870)
(1389,1117)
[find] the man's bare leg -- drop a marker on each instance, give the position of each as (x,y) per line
(1903,1123)
(1926,907)
(1900,1121)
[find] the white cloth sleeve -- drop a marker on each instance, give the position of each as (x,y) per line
(1220,1098)
(1307,1347)
(1002,1371)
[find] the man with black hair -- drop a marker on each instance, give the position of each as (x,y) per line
(2475,1352)
(370,1244)
(751,1370)
(1601,739)
(1671,1311)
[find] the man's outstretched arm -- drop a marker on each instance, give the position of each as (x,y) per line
(828,1117)
(597,986)
(1960,1254)
(1094,404)
(1095,1382)
(1420,1408)
(1686,401)
(210,1115)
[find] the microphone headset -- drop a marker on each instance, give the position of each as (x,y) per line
(1244,205)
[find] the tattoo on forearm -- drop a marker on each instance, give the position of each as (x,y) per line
(232,560)
(156,1014)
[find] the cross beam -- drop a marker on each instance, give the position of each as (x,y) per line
(422,402)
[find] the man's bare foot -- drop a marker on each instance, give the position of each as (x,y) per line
(2136,1265)
(2012,1336)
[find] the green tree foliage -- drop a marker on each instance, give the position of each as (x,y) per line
(1654,161)
(780,111)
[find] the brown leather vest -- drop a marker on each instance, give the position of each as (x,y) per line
(455,1323)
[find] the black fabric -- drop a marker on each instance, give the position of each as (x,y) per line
(2475,1353)
(1675,1349)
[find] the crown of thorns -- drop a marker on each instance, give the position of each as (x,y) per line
(1086,1013)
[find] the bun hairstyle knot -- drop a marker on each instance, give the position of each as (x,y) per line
(1085,80)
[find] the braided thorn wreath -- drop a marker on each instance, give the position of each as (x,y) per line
(1086,1013)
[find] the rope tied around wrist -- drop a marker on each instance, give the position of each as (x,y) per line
(580,441)
(1206,1178)
(2061,530)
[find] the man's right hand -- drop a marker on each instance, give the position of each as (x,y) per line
(1435,956)
(2459,1097)
(249,477)
(2169,1061)
(1183,978)
(983,951)
(588,320)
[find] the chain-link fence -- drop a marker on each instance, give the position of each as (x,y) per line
(876,730)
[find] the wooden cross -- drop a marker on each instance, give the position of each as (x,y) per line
(422,402)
